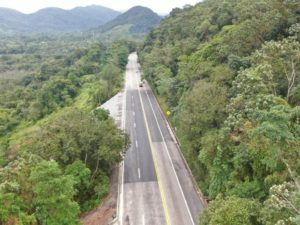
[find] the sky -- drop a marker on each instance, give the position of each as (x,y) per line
(159,6)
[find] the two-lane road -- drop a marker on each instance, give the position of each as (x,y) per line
(156,187)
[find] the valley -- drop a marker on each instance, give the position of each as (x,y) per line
(130,117)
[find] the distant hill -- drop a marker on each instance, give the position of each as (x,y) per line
(137,21)
(56,19)
(10,19)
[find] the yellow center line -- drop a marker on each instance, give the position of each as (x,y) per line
(160,185)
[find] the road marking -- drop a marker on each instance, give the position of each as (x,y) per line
(143,219)
(139,173)
(134,125)
(120,214)
(136,144)
(168,153)
(122,195)
(160,184)
(133,113)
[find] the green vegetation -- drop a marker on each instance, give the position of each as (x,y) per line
(55,19)
(229,73)
(133,24)
(141,18)
(56,151)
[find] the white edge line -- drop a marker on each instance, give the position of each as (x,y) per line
(139,173)
(145,120)
(166,147)
(121,194)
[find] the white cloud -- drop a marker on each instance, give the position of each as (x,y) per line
(159,6)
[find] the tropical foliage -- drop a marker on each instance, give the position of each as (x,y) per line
(56,150)
(229,73)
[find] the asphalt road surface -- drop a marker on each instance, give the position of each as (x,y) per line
(156,188)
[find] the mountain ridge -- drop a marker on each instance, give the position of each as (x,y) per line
(55,19)
(132,25)
(141,18)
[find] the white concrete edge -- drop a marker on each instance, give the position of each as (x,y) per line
(122,169)
(120,203)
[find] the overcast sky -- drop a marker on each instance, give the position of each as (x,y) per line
(159,6)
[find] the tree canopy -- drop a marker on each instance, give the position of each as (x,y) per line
(56,150)
(229,72)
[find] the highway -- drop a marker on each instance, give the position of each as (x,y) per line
(155,186)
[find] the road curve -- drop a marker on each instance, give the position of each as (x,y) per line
(156,187)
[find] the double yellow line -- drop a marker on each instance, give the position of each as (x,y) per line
(159,181)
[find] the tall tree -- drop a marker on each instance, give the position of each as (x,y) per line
(54,193)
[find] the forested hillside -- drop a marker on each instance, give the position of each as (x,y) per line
(229,73)
(55,19)
(135,23)
(56,151)
(140,18)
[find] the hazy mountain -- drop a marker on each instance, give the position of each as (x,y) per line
(10,18)
(56,19)
(140,19)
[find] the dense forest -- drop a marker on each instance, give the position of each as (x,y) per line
(49,20)
(134,24)
(229,73)
(141,19)
(56,151)
(227,70)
